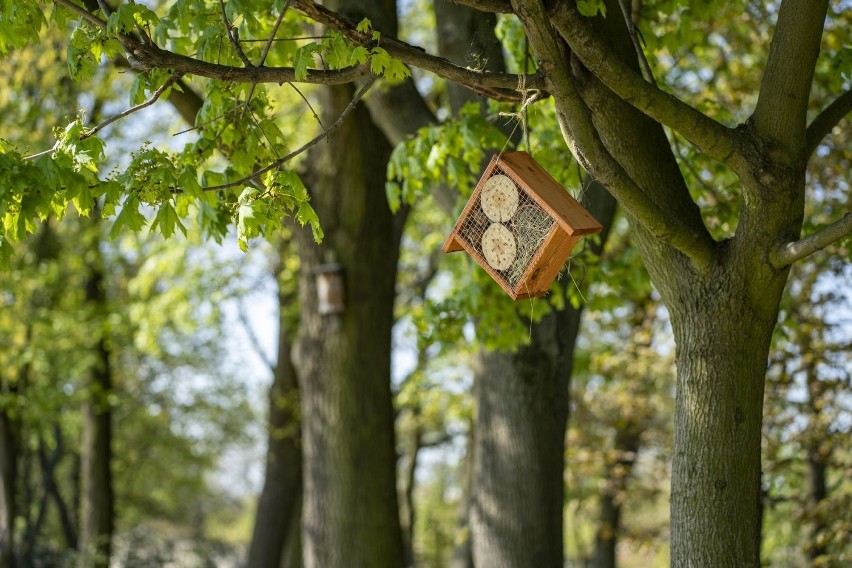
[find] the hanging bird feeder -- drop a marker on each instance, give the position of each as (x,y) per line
(520,225)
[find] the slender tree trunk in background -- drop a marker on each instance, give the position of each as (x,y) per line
(8,470)
(96,450)
(407,507)
(51,486)
(278,505)
(818,455)
(462,554)
(818,492)
(350,516)
(616,474)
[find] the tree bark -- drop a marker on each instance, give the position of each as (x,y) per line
(350,516)
(522,408)
(96,450)
(279,500)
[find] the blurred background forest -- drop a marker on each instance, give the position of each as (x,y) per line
(169,364)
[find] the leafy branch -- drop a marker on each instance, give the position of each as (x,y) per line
(310,144)
(144,56)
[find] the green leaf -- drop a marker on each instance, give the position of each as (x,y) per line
(306,214)
(305,57)
(167,219)
(127,16)
(394,194)
(590,8)
(364,26)
(129,218)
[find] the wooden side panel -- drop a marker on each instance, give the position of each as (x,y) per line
(452,244)
(547,263)
(549,194)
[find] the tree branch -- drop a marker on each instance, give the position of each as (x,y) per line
(585,144)
(781,110)
(826,120)
(146,57)
(785,255)
(281,161)
(265,52)
(499,86)
(143,57)
(82,12)
(714,139)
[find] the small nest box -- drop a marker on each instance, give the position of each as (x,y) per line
(520,225)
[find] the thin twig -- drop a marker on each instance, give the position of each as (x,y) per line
(284,39)
(40,154)
(307,102)
(105,8)
(279,162)
(631,31)
(203,124)
(268,45)
(262,131)
(229,29)
(265,52)
(151,100)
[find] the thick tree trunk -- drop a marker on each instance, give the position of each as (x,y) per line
(350,516)
(722,348)
(96,449)
(279,499)
(522,408)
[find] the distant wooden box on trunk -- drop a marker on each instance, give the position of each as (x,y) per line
(520,225)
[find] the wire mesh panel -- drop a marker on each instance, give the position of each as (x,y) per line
(505,227)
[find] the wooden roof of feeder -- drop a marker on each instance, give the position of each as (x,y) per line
(494,227)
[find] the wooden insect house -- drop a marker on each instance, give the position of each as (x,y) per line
(520,225)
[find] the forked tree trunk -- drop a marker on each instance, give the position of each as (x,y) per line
(722,319)
(350,516)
